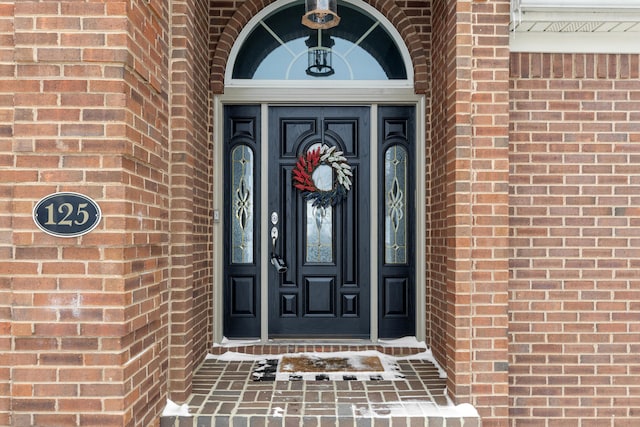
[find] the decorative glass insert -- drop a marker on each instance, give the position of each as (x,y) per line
(359,48)
(242,205)
(395,193)
(319,233)
(320,219)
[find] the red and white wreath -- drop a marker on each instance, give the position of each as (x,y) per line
(309,162)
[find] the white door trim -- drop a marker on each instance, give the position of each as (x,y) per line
(218,204)
(373,222)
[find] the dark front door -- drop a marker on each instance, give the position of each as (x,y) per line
(325,289)
(321,236)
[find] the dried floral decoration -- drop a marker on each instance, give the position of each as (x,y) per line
(303,175)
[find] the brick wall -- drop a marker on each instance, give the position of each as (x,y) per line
(96,330)
(200,100)
(575,219)
(147,282)
(87,316)
(468,215)
(7,82)
(441,176)
(489,168)
(191,195)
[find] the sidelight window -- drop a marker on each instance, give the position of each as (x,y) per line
(395,188)
(242,205)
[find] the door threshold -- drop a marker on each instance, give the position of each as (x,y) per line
(407,342)
(230,342)
(320,341)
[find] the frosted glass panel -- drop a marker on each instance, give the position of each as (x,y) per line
(319,233)
(395,189)
(242,205)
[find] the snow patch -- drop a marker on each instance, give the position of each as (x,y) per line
(233,356)
(414,409)
(174,410)
(226,342)
(404,342)
(462,410)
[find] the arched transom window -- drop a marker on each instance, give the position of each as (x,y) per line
(279,47)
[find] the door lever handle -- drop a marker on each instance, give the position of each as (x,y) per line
(276,260)
(278,263)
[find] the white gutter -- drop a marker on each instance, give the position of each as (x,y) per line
(577,4)
(575,26)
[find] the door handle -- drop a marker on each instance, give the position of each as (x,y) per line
(279,263)
(276,260)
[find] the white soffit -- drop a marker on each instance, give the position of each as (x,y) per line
(575,26)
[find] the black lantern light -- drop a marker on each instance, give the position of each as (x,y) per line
(320,14)
(319,54)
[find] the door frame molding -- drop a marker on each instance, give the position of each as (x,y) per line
(266,97)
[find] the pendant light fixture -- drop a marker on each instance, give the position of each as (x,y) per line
(320,61)
(320,14)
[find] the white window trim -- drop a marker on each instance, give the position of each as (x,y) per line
(339,94)
(253,22)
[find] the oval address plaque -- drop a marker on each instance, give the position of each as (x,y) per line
(66,214)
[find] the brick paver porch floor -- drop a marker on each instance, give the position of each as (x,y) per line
(225,394)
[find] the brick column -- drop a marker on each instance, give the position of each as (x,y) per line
(489,119)
(7,89)
(468,245)
(191,195)
(88,342)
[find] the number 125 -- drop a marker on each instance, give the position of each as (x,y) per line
(67,210)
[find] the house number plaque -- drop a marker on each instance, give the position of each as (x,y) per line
(66,214)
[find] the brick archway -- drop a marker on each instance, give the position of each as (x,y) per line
(400,20)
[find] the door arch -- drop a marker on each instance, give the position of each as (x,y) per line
(399,26)
(276,46)
(265,95)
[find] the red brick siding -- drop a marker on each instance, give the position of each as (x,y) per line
(574,206)
(489,118)
(191,201)
(200,105)
(7,87)
(468,214)
(84,323)
(145,367)
(88,342)
(441,155)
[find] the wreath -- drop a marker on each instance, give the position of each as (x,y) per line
(307,164)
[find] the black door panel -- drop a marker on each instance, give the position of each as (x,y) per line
(325,290)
